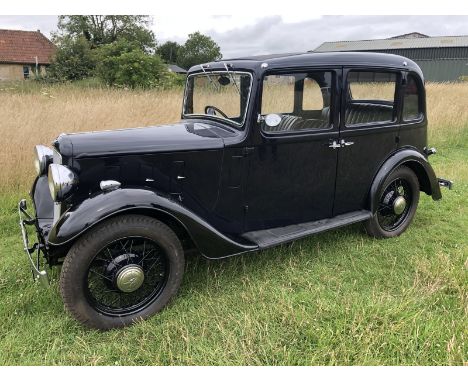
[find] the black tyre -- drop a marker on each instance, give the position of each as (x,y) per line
(398,201)
(124,270)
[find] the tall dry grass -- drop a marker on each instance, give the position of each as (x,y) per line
(447,107)
(30,118)
(35,117)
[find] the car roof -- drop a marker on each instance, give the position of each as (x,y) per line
(308,59)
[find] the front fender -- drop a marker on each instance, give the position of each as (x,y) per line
(82,217)
(414,160)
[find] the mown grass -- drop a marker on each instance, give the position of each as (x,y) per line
(335,298)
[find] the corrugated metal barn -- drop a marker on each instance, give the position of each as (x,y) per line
(440,58)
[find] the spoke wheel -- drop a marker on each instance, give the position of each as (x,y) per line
(123,270)
(394,204)
(397,204)
(126,275)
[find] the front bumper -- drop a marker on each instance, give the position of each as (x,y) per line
(38,249)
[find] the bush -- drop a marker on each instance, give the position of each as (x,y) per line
(124,64)
(73,60)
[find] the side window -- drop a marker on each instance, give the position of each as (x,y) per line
(299,101)
(411,106)
(278,94)
(370,98)
(312,95)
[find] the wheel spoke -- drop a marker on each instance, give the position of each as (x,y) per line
(109,253)
(157,261)
(105,260)
(124,246)
(100,275)
(383,207)
(151,258)
(144,257)
(111,291)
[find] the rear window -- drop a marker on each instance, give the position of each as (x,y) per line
(377,86)
(411,103)
(371,97)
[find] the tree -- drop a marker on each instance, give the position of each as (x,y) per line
(197,50)
(106,29)
(169,51)
(73,60)
(123,63)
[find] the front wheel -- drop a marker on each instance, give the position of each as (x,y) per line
(126,269)
(397,206)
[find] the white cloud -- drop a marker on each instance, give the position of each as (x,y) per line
(249,34)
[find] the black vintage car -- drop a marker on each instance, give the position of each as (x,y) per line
(269,150)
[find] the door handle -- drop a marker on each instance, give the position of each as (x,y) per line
(343,143)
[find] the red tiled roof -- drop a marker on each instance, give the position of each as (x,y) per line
(23,46)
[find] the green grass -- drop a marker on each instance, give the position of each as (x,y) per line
(336,298)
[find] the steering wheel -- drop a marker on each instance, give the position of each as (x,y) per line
(214,108)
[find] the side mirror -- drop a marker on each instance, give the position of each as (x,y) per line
(272,120)
(210,111)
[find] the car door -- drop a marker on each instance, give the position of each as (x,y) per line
(292,169)
(368,133)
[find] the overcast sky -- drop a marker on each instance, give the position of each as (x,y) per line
(240,35)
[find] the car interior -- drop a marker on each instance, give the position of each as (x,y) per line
(304,118)
(358,112)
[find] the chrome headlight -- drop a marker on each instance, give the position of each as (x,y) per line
(61,181)
(43,156)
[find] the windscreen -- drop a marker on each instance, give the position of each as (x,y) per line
(220,95)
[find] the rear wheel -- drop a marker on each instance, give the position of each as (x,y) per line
(126,269)
(397,206)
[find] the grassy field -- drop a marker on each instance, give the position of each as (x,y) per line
(335,298)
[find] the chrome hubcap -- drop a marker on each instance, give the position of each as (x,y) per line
(399,205)
(130,278)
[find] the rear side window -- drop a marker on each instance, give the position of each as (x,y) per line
(411,102)
(371,97)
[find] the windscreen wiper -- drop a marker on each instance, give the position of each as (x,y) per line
(232,78)
(209,77)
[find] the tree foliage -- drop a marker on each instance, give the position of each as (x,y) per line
(106,29)
(198,49)
(120,50)
(169,52)
(124,64)
(73,60)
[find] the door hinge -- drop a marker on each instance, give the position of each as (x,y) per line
(334,145)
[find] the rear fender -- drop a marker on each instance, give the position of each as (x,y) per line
(94,210)
(415,161)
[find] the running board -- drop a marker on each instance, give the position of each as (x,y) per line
(273,236)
